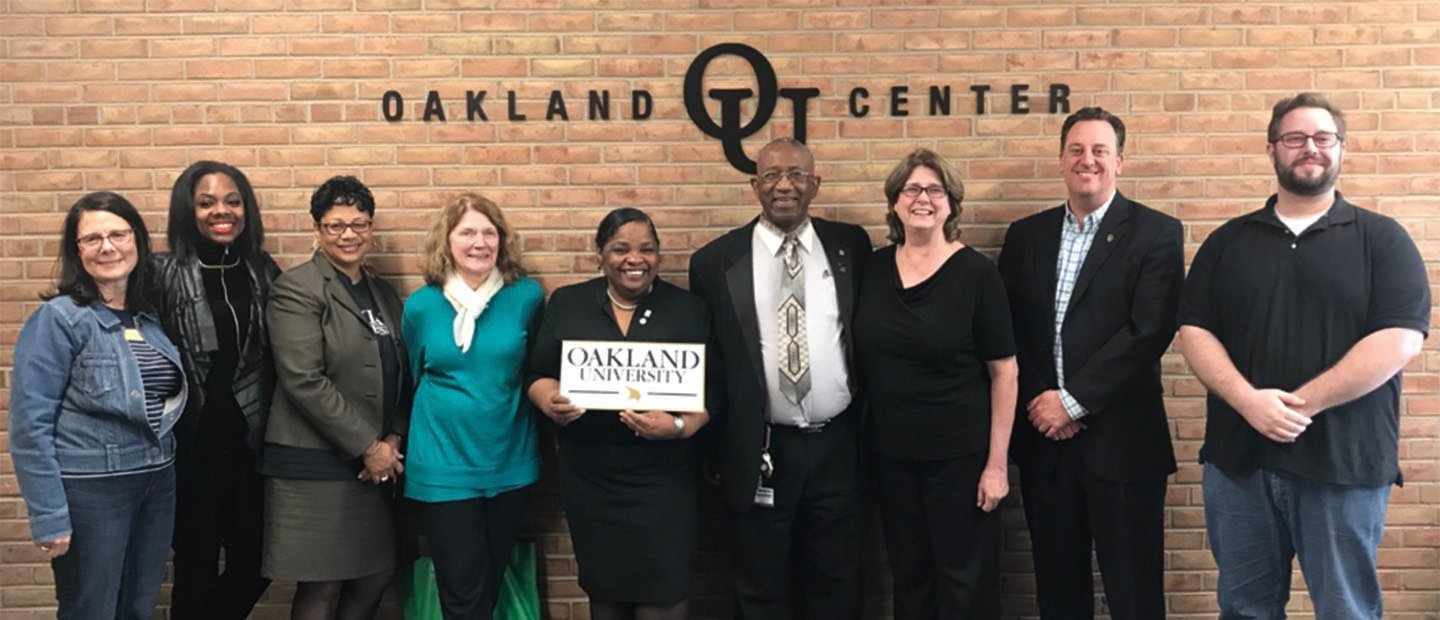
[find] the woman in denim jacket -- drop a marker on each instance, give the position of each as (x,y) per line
(96,392)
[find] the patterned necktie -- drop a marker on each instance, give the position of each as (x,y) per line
(793,347)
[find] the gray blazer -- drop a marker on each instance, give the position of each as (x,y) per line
(329,374)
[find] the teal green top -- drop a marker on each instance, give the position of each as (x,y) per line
(472,433)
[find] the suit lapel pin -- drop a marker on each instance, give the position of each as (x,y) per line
(1110,238)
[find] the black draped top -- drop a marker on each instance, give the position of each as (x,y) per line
(922,353)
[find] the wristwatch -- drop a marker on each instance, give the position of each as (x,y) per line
(679,427)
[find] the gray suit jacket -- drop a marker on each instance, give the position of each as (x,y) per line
(329,373)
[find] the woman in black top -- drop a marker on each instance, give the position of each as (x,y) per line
(937,357)
(628,477)
(214,285)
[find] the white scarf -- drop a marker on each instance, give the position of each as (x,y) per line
(469,303)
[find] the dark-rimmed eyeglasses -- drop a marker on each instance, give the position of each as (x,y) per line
(335,229)
(1322,139)
(935,192)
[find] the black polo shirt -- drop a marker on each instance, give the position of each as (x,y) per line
(1287,308)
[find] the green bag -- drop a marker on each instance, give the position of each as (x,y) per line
(519,597)
(419,597)
(519,594)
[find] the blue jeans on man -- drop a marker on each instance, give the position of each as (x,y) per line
(1259,521)
(120,535)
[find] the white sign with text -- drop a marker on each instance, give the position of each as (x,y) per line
(643,376)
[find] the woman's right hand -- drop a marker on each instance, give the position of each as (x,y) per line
(560,410)
(382,462)
(55,548)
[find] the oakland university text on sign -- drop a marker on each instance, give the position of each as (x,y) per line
(598,362)
(660,376)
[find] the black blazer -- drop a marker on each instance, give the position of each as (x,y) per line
(1121,318)
(722,274)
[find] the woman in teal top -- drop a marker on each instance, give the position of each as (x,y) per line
(472,445)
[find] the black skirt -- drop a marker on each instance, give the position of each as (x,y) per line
(632,510)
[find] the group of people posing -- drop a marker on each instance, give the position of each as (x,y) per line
(200,398)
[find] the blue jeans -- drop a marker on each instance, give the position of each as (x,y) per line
(1258,522)
(121,528)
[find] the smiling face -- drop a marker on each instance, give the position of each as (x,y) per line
(110,261)
(630,260)
(1089,164)
(474,247)
(346,249)
(922,212)
(219,209)
(785,202)
(1307,170)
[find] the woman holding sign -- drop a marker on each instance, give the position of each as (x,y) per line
(627,476)
(472,435)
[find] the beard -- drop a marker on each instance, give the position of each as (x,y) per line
(1314,186)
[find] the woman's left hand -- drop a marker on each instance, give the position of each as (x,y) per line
(55,548)
(994,486)
(653,425)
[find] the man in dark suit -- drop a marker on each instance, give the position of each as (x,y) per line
(1094,285)
(782,293)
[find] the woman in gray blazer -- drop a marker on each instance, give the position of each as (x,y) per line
(332,445)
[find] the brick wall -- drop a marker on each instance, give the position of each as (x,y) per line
(123,94)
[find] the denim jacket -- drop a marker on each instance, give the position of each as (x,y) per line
(77,405)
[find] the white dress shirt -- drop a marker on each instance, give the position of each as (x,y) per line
(829,380)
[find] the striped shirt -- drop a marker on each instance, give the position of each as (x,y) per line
(160,377)
(1074,246)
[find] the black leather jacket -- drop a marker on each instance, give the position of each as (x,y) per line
(185,313)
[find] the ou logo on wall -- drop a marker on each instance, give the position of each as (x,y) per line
(730,132)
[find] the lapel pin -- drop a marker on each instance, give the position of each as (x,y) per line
(647,313)
(1110,238)
(643,320)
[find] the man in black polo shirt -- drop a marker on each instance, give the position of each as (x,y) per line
(1298,318)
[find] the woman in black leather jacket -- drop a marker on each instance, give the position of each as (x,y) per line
(214,284)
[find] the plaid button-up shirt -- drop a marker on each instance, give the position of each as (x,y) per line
(1075,243)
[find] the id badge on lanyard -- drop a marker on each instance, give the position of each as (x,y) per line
(765,495)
